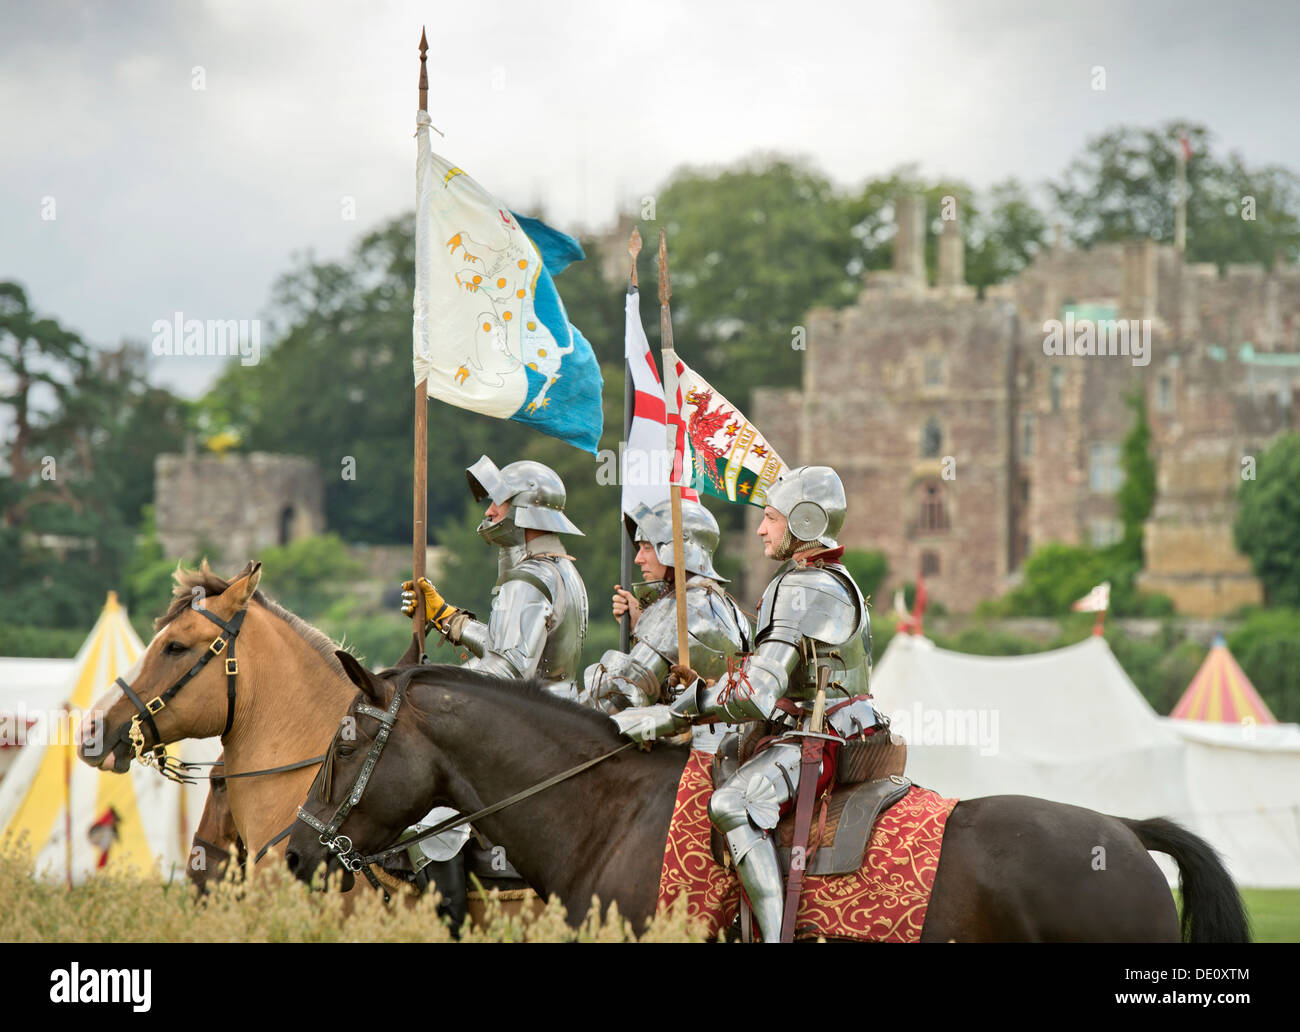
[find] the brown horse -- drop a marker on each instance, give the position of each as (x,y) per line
(290,693)
(216,839)
(1012,867)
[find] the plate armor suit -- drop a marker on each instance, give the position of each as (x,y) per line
(539,605)
(717,628)
(812,615)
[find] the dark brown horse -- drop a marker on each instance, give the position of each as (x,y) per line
(1012,867)
(216,839)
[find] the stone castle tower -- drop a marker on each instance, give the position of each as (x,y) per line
(236,504)
(963,444)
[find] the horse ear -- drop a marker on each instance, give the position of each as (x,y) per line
(241,591)
(370,685)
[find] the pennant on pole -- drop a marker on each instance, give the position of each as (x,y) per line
(491,333)
(722,453)
(646,462)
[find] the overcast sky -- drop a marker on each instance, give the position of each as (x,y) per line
(169,198)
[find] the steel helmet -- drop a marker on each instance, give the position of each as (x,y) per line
(699,534)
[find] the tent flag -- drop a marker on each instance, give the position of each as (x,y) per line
(646,463)
(1096,601)
(490,332)
(721,451)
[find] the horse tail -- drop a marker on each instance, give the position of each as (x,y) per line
(1213,910)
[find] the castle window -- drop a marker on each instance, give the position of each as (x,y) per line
(1165,395)
(934,371)
(1055,381)
(931,439)
(933,515)
(1104,532)
(286,524)
(1104,473)
(1027,435)
(929,564)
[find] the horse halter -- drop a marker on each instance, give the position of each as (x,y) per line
(157,756)
(351,858)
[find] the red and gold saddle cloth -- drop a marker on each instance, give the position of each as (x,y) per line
(885,901)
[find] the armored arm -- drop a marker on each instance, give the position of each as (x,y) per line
(623,679)
(752,690)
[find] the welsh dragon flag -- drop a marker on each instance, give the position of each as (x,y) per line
(721,452)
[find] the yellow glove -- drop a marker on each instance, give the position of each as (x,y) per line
(436,608)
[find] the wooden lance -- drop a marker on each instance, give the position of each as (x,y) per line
(625,551)
(419,531)
(669,357)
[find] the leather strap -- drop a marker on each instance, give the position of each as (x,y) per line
(810,768)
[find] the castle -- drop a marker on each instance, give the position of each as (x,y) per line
(967,435)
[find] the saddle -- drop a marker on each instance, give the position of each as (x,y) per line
(869,780)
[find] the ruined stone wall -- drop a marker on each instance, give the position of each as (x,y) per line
(237,504)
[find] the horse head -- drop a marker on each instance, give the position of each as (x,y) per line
(191,649)
(340,820)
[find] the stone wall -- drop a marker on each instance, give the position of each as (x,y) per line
(236,504)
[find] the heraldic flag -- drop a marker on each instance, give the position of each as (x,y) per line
(491,333)
(724,454)
(647,461)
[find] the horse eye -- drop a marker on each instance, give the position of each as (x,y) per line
(346,750)
(175,648)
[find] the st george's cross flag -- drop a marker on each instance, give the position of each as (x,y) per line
(720,451)
(647,462)
(491,334)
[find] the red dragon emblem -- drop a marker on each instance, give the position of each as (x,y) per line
(703,425)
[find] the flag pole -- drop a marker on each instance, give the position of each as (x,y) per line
(625,544)
(674,489)
(419,530)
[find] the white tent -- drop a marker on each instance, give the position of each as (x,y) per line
(77,819)
(1069,725)
(27,687)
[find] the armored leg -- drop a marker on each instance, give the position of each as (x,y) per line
(745,809)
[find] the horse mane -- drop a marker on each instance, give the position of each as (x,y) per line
(213,584)
(529,693)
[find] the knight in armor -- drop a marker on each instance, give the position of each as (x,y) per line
(536,628)
(717,628)
(539,604)
(812,615)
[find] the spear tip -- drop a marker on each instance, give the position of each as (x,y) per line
(424,71)
(665,287)
(634,243)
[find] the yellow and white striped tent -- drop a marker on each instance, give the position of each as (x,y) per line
(78,820)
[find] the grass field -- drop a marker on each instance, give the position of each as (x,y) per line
(276,909)
(1274,914)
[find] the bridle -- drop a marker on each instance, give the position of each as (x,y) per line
(178,770)
(330,838)
(170,767)
(351,857)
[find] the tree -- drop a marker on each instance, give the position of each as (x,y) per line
(752,248)
(1267,527)
(1001,230)
(1138,492)
(87,428)
(1122,186)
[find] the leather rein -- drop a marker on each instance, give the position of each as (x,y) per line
(351,857)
